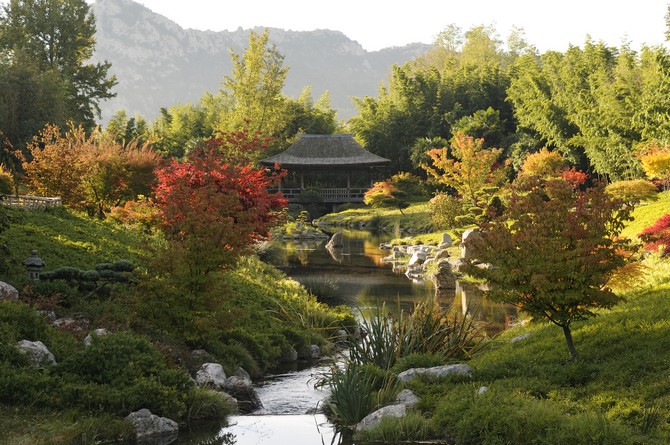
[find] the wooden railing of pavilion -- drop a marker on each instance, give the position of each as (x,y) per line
(328,195)
(30,202)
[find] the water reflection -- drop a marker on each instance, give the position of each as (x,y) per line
(362,280)
(494,317)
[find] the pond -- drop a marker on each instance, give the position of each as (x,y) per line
(290,398)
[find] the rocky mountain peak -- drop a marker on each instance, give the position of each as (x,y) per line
(158,63)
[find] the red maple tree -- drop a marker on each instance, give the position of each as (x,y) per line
(213,209)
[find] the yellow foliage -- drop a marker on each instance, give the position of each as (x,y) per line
(655,159)
(544,164)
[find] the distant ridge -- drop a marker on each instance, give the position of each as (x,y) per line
(158,63)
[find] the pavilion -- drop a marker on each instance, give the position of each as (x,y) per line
(335,165)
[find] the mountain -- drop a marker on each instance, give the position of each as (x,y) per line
(158,63)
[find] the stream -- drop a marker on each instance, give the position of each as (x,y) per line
(290,400)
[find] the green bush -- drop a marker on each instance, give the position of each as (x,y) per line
(115,359)
(120,373)
(25,386)
(206,404)
(411,428)
(444,211)
(22,322)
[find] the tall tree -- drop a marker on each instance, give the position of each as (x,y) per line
(427,97)
(254,86)
(57,37)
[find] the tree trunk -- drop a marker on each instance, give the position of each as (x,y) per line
(568,340)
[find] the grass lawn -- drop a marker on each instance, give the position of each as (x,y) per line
(616,392)
(646,214)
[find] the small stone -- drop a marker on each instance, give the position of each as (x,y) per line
(467,251)
(374,419)
(483,390)
(242,373)
(446,241)
(148,425)
(441,254)
(336,241)
(407,397)
(98,333)
(521,337)
(418,257)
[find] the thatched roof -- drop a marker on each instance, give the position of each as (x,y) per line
(318,150)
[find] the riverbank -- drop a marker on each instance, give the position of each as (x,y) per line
(525,389)
(156,333)
(616,392)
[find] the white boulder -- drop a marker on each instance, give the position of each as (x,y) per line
(38,355)
(435,372)
(8,292)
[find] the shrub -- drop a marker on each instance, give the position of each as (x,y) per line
(657,237)
(21,322)
(119,360)
(633,191)
(444,211)
(206,404)
(6,182)
(141,212)
(544,163)
(411,428)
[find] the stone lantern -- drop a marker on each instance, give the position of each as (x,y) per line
(34,265)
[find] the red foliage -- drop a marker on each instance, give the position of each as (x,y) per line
(213,209)
(574,177)
(657,236)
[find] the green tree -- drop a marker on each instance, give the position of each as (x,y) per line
(426,98)
(123,129)
(468,168)
(28,100)
(594,104)
(181,128)
(57,37)
(254,87)
(552,250)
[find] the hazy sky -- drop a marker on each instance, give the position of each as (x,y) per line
(376,24)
